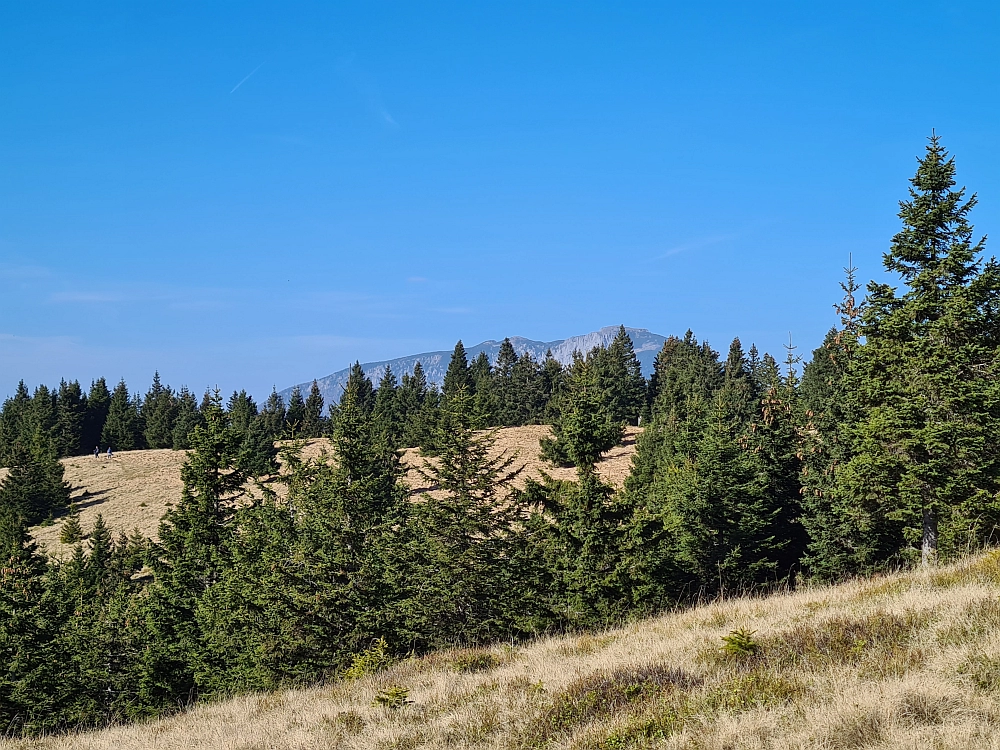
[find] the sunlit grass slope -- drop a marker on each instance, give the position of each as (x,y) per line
(134,489)
(904,661)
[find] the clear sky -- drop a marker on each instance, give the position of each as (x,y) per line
(255,194)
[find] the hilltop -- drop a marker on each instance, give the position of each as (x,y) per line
(910,660)
(135,488)
(645,343)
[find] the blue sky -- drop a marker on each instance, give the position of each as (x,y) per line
(254,194)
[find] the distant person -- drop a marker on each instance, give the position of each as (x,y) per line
(109,452)
(97,451)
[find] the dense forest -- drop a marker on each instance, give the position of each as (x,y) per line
(747,476)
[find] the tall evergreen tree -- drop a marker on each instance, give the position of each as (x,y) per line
(71,409)
(843,536)
(553,378)
(313,422)
(620,375)
(29,670)
(34,489)
(387,414)
(508,409)
(296,414)
(484,404)
(464,580)
(273,415)
(192,555)
(159,415)
(16,425)
(925,381)
(188,417)
(98,403)
(458,378)
(241,410)
(419,406)
(121,429)
(586,426)
(44,412)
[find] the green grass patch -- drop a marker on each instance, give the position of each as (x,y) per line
(471,660)
(603,694)
(879,642)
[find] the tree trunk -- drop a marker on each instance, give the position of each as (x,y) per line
(928,549)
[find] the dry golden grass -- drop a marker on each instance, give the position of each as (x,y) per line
(905,661)
(131,490)
(135,488)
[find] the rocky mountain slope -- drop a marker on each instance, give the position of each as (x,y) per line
(435,364)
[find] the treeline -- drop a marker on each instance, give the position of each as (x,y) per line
(38,428)
(76,423)
(746,476)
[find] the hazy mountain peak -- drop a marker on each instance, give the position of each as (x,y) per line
(435,364)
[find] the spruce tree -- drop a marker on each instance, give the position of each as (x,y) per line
(29,670)
(34,489)
(159,415)
(188,417)
(71,409)
(241,410)
(44,414)
(925,381)
(273,415)
(485,405)
(508,409)
(121,428)
(464,580)
(686,376)
(621,379)
(387,416)
(419,406)
(457,377)
(313,422)
(586,426)
(71,531)
(843,537)
(528,389)
(296,413)
(16,424)
(98,403)
(553,378)
(192,554)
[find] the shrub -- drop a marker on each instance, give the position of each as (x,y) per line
(740,643)
(753,689)
(71,531)
(392,697)
(603,694)
(475,660)
(879,640)
(371,660)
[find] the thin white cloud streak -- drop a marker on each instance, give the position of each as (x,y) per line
(247,77)
(365,85)
(24,272)
(695,245)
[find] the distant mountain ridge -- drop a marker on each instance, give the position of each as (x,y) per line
(435,364)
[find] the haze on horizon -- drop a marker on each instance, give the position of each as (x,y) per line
(253,197)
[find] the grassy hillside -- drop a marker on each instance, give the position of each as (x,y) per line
(134,489)
(904,661)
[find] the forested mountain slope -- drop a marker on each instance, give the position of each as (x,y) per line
(435,364)
(909,660)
